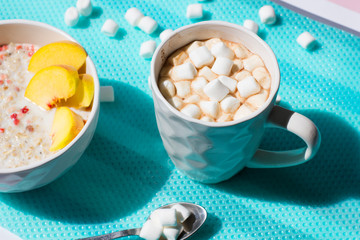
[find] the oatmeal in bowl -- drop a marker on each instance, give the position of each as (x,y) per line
(49,105)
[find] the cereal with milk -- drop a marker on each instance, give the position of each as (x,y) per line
(215,80)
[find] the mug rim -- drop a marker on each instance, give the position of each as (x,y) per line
(270,52)
(95,102)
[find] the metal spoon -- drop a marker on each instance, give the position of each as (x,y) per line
(190,225)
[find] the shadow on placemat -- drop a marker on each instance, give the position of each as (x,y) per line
(332,176)
(124,166)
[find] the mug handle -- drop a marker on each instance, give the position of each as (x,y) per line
(296,123)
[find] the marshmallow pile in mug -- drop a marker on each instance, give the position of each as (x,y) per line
(215,80)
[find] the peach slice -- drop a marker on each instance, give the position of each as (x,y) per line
(84,93)
(51,84)
(58,53)
(66,126)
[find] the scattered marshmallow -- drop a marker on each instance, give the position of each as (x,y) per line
(248,87)
(207,119)
(207,73)
(215,90)
(201,56)
(183,71)
(151,230)
(252,62)
(258,100)
(147,49)
(133,16)
(198,85)
(171,233)
(110,28)
(192,99)
(306,40)
(241,75)
(107,94)
(147,24)
(267,14)
(176,102)
(71,16)
(222,66)
(194,11)
(262,76)
(228,82)
(210,108)
(251,25)
(221,50)
(194,46)
(278,99)
(243,111)
(84,7)
(183,88)
(230,104)
(165,34)
(166,217)
(191,110)
(182,212)
(167,88)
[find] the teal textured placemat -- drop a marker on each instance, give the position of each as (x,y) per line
(125,173)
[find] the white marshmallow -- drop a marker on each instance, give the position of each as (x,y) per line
(207,119)
(256,101)
(248,86)
(193,111)
(306,40)
(71,17)
(262,76)
(198,85)
(165,34)
(222,66)
(194,46)
(182,212)
(241,75)
(194,11)
(215,90)
(183,88)
(84,7)
(251,25)
(167,88)
(278,99)
(221,50)
(211,42)
(178,57)
(237,66)
(147,24)
(171,233)
(201,56)
(228,82)
(207,73)
(225,117)
(241,52)
(133,16)
(147,49)
(230,104)
(267,14)
(243,111)
(110,28)
(107,94)
(166,217)
(252,62)
(210,108)
(151,230)
(192,99)
(183,71)
(176,102)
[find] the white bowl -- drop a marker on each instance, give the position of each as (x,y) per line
(38,174)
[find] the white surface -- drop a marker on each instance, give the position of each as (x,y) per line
(7,235)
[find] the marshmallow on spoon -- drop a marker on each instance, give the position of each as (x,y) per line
(194,11)
(306,40)
(222,66)
(183,72)
(215,90)
(267,14)
(191,110)
(71,16)
(171,233)
(147,49)
(201,56)
(151,230)
(110,28)
(248,87)
(165,34)
(166,217)
(147,24)
(133,16)
(221,50)
(84,7)
(251,25)
(182,212)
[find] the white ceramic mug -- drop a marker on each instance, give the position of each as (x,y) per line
(212,152)
(43,172)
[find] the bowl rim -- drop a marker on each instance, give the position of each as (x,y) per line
(95,104)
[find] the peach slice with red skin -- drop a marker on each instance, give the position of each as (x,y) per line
(64,53)
(66,126)
(52,84)
(84,93)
